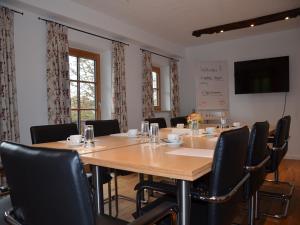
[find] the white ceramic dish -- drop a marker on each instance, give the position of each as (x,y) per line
(174,144)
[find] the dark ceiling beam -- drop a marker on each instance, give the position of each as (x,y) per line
(248,23)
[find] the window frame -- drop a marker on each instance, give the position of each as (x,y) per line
(156,69)
(78,53)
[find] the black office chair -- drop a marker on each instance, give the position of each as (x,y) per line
(277,151)
(103,128)
(176,120)
(49,133)
(58,132)
(257,158)
(161,121)
(50,187)
(217,203)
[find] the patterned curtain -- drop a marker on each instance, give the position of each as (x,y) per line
(58,83)
(174,88)
(148,108)
(119,85)
(9,122)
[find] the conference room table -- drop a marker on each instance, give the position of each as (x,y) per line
(185,163)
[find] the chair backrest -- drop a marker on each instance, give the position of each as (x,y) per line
(279,142)
(288,119)
(104,127)
(49,133)
(256,154)
(160,120)
(227,171)
(47,186)
(181,119)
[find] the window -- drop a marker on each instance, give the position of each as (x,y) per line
(156,88)
(84,85)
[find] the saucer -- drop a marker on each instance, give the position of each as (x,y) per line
(174,144)
(74,144)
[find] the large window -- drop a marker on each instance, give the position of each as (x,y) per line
(84,85)
(156,88)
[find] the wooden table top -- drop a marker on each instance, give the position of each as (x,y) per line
(153,159)
(102,143)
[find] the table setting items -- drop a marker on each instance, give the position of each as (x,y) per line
(173,140)
(154,133)
(89,140)
(74,140)
(133,133)
(145,131)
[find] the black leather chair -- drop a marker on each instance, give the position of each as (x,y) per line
(58,132)
(175,120)
(161,121)
(104,127)
(257,158)
(49,133)
(49,187)
(216,203)
(277,151)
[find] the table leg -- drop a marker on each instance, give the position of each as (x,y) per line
(98,184)
(184,201)
(141,177)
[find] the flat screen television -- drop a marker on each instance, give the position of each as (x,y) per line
(262,75)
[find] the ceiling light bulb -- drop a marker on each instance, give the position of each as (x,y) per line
(222,31)
(252,25)
(286,18)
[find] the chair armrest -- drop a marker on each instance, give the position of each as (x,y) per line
(222,198)
(157,186)
(158,213)
(279,148)
(258,166)
(10,219)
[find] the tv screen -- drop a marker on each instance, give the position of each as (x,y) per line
(262,75)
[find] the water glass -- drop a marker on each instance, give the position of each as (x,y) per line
(195,127)
(154,133)
(223,122)
(145,130)
(89,136)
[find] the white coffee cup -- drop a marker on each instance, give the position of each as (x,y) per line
(173,137)
(210,130)
(236,124)
(132,132)
(74,139)
(180,125)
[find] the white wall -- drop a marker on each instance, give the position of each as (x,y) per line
(249,108)
(30,51)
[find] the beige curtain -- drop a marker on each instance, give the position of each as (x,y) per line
(174,88)
(148,108)
(58,83)
(9,122)
(119,85)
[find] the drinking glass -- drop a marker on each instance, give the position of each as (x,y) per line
(145,130)
(223,122)
(154,133)
(89,136)
(195,127)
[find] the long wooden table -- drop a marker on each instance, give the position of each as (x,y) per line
(132,154)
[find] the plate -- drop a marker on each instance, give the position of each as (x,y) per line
(74,145)
(174,144)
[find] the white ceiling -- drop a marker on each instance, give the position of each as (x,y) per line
(174,20)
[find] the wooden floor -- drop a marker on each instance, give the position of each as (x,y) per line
(289,171)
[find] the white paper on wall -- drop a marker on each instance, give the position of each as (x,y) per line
(212,86)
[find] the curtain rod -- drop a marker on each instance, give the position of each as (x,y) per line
(82,31)
(145,50)
(15,11)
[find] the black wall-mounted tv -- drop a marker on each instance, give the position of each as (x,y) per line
(262,75)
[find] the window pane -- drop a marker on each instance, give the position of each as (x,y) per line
(74,116)
(155,100)
(87,69)
(87,115)
(87,96)
(73,92)
(73,67)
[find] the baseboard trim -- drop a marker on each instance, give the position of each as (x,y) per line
(295,157)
